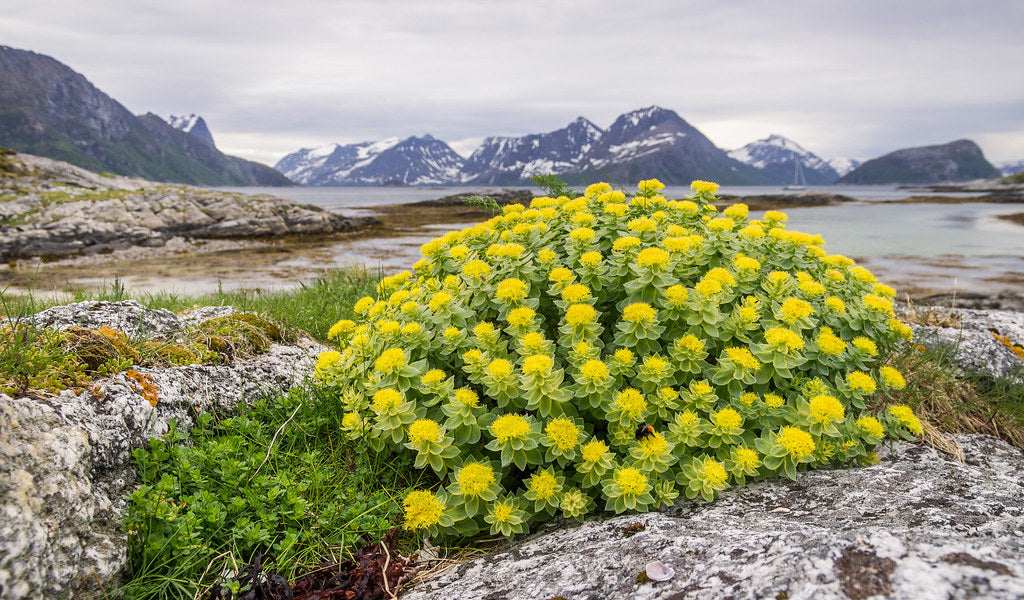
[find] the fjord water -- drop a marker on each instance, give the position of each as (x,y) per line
(920,247)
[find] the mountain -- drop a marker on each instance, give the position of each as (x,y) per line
(1011,167)
(192,124)
(776,157)
(961,160)
(511,160)
(412,161)
(657,142)
(843,165)
(49,110)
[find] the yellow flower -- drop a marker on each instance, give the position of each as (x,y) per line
(575,293)
(580,314)
(748,399)
(582,234)
(363,304)
(825,409)
(543,484)
(650,186)
(708,287)
(737,211)
(595,189)
(624,356)
(794,309)
(612,197)
(653,258)
(390,360)
(476,269)
(829,343)
(351,421)
(388,327)
(424,430)
(773,401)
(484,329)
(741,357)
(878,303)
(690,343)
(883,290)
(499,368)
(511,290)
(507,427)
(906,417)
(836,304)
(837,260)
(560,275)
(704,187)
(325,360)
(520,317)
(714,472)
(631,403)
(642,224)
(754,230)
(538,365)
(339,328)
(411,329)
(616,209)
(721,224)
(677,295)
(590,259)
(892,378)
(433,377)
(593,451)
(797,442)
(654,446)
(745,263)
(387,399)
(779,337)
(451,333)
(563,433)
(439,301)
(728,420)
(639,312)
(583,219)
(901,329)
(546,255)
(594,371)
(630,481)
(870,426)
(625,243)
(746,458)
(861,274)
(422,509)
(681,243)
(502,512)
(459,252)
(812,288)
(865,345)
(475,479)
(861,382)
(467,397)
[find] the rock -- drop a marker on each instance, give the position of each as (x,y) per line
(502,197)
(988,342)
(65,460)
(916,525)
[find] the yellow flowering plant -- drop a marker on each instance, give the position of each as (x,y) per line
(614,351)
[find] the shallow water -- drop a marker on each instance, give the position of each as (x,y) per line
(920,248)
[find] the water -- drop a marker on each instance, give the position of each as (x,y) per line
(921,247)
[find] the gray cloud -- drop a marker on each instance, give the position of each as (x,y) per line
(842,78)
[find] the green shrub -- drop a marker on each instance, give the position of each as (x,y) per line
(614,352)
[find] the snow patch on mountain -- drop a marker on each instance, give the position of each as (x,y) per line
(193,125)
(778,156)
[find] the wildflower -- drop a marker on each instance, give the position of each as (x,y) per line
(582,234)
(861,274)
(563,433)
(624,356)
(594,371)
(860,382)
(580,314)
(870,426)
(422,509)
(467,397)
(737,211)
(590,259)
(690,343)
(650,186)
(476,269)
(642,225)
(794,309)
(390,360)
(653,258)
(892,378)
(773,401)
(433,377)
(625,243)
(508,427)
(865,345)
(339,328)
(616,209)
(520,317)
(543,484)
(499,368)
(797,443)
(905,417)
(721,224)
(560,275)
(728,420)
(631,403)
(639,312)
(593,451)
(825,409)
(676,295)
(387,399)
(783,338)
(878,303)
(812,288)
(424,430)
(575,293)
(511,290)
(630,481)
(741,357)
(745,263)
(596,189)
(836,304)
(546,255)
(537,365)
(475,479)
(704,187)
(829,343)
(439,301)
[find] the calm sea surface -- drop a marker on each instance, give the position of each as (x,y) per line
(919,246)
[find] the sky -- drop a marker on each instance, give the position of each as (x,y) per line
(850,78)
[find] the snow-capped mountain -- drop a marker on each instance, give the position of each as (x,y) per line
(413,161)
(657,141)
(777,156)
(512,160)
(844,165)
(1010,168)
(194,125)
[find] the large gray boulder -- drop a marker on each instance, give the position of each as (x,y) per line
(916,525)
(65,460)
(987,342)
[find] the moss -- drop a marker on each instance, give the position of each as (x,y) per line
(238,335)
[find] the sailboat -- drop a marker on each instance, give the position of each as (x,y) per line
(799,182)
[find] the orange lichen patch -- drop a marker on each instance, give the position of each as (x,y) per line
(1017,349)
(143,385)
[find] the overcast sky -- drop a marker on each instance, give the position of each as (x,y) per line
(849,78)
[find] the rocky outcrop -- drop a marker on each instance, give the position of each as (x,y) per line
(916,525)
(961,160)
(502,197)
(989,342)
(52,209)
(65,460)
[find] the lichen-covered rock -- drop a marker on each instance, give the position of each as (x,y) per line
(916,525)
(989,342)
(65,460)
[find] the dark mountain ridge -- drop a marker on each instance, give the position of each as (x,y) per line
(961,160)
(47,109)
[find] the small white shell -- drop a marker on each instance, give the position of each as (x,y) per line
(659,571)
